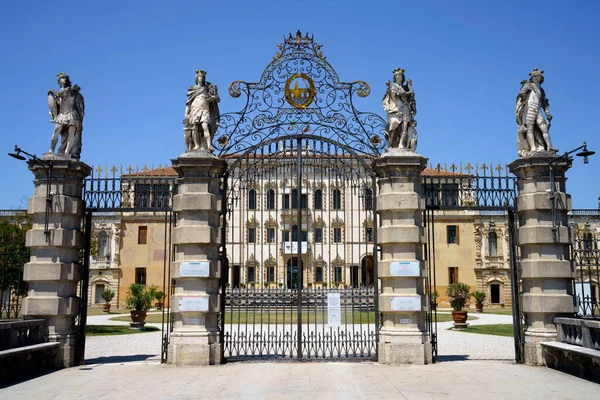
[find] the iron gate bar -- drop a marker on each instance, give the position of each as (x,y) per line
(85,277)
(299,238)
(515,279)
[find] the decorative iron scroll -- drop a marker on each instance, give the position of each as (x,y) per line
(300,93)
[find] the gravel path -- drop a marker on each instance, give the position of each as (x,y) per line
(122,348)
(452,345)
(457,345)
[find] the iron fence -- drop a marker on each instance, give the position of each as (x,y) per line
(585,255)
(454,190)
(336,323)
(142,191)
(13,256)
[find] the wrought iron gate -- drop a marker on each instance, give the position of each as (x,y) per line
(486,196)
(302,280)
(299,232)
(142,194)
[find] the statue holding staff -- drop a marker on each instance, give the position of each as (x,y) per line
(400,105)
(67,110)
(201,114)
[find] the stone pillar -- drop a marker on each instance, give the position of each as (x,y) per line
(546,275)
(53,271)
(195,336)
(403,338)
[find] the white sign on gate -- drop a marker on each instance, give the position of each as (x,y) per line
(334,313)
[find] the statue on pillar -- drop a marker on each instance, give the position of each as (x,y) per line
(401,108)
(201,114)
(533,134)
(67,111)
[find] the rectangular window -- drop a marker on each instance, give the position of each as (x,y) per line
(449,194)
(270,235)
(319,274)
(318,235)
(337,235)
(141,196)
(160,196)
(251,274)
(369,234)
(271,274)
(142,234)
(140,275)
(452,234)
(368,193)
(251,235)
(452,275)
(285,200)
(337,199)
(337,274)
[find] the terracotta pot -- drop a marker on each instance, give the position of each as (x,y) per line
(138,315)
(158,306)
(460,317)
(479,307)
(106,307)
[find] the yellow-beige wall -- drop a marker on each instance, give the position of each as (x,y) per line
(461,254)
(150,255)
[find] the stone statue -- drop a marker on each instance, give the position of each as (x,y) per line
(533,133)
(67,111)
(201,114)
(400,106)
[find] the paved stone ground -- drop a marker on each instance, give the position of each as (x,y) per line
(472,367)
(446,380)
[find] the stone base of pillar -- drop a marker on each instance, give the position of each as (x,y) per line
(395,349)
(194,349)
(532,348)
(65,354)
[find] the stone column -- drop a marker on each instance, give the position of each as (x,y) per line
(546,275)
(403,338)
(53,271)
(195,336)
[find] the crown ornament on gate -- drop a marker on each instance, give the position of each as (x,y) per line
(299,43)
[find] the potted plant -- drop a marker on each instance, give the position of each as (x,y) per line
(107,296)
(479,298)
(139,297)
(160,300)
(458,296)
(434,297)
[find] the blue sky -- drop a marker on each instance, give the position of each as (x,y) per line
(135,59)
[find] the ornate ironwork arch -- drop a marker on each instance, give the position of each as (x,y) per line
(299,92)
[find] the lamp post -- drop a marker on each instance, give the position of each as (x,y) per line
(47,165)
(585,153)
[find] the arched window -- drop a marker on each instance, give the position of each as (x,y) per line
(270,199)
(252,199)
(102,244)
(368,200)
(318,199)
(493,244)
(337,199)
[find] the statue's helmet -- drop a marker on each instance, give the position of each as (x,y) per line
(537,73)
(62,75)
